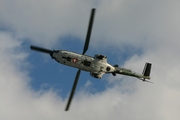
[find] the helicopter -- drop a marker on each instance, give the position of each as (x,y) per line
(97,65)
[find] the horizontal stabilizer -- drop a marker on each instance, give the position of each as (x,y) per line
(147,69)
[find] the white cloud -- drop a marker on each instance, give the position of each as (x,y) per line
(152,26)
(18,100)
(45,21)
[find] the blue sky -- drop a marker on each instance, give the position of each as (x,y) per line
(130,33)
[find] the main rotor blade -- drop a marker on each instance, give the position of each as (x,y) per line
(73,89)
(88,36)
(41,49)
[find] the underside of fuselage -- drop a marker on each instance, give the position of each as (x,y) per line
(95,64)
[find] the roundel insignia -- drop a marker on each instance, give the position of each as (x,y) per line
(74,60)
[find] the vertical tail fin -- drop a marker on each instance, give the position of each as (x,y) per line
(147,69)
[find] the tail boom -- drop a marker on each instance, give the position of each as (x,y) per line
(145,74)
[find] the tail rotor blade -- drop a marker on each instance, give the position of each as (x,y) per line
(41,49)
(89,30)
(144,80)
(73,90)
(147,69)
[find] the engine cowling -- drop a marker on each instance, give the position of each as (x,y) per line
(100,57)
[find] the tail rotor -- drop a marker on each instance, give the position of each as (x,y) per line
(147,70)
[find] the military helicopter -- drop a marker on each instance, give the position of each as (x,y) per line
(97,65)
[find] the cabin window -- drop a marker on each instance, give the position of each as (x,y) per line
(87,63)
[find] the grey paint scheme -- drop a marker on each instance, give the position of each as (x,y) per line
(97,65)
(84,62)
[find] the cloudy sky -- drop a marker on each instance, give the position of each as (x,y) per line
(129,32)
